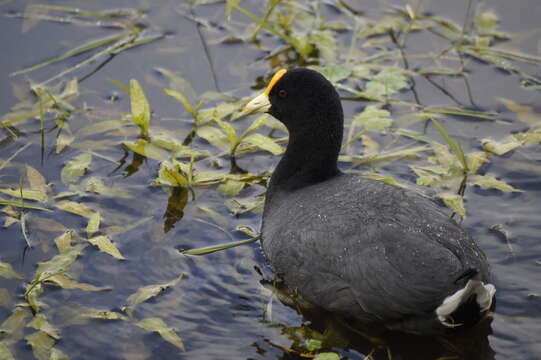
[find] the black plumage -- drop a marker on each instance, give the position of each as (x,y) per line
(359,247)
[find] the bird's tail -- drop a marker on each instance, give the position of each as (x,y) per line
(466,306)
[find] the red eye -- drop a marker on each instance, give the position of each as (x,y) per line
(282,93)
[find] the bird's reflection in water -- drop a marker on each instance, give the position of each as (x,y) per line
(355,341)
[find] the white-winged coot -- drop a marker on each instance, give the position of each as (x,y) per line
(358,247)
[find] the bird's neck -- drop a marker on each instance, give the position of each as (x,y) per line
(310,157)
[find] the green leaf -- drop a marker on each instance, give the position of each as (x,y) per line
(7,271)
(314,345)
(214,136)
(75,208)
(215,248)
(325,42)
(39,322)
(75,168)
(28,194)
(178,83)
(106,245)
(41,344)
(456,149)
(101,127)
(183,100)
(373,118)
(168,334)
(58,355)
(59,263)
(231,187)
(63,140)
(146,149)
(96,185)
(229,130)
(327,356)
(66,282)
(169,174)
(455,202)
(334,73)
(93,224)
(140,108)
(490,182)
(502,147)
(12,327)
(386,82)
(102,315)
(265,143)
(63,242)
(5,354)
(147,292)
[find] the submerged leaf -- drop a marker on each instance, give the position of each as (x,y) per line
(150,291)
(41,344)
(75,168)
(7,271)
(11,329)
(106,245)
(157,325)
(5,354)
(66,282)
(490,182)
(75,208)
(93,224)
(36,180)
(28,194)
(63,242)
(39,322)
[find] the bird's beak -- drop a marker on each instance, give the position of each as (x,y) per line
(261,103)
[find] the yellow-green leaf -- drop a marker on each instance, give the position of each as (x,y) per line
(265,143)
(39,322)
(7,271)
(93,224)
(170,175)
(75,208)
(63,242)
(140,109)
(63,140)
(232,187)
(490,182)
(229,131)
(66,282)
(75,168)
(455,202)
(146,292)
(41,344)
(106,245)
(27,194)
(168,334)
(183,100)
(5,353)
(12,327)
(146,149)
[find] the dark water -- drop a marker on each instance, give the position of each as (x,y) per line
(219,307)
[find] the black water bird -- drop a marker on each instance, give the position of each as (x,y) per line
(362,248)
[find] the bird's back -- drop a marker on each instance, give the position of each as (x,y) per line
(368,249)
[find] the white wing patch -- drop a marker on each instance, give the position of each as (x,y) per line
(484,295)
